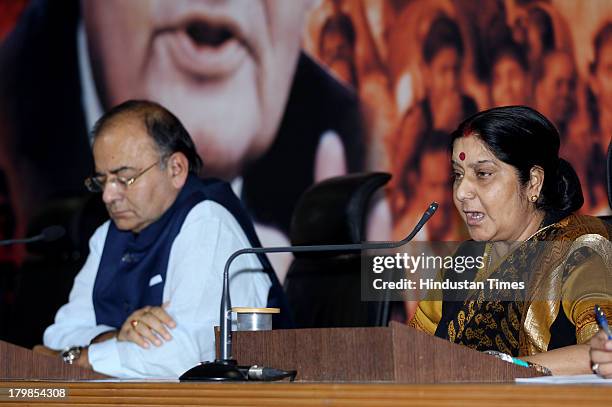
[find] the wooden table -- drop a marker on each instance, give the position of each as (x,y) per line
(313,394)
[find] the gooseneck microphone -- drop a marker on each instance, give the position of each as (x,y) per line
(226,367)
(48,234)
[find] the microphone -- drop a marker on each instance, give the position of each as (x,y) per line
(226,368)
(48,234)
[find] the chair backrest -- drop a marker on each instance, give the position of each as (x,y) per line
(324,289)
(48,271)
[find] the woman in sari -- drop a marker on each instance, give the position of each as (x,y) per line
(518,200)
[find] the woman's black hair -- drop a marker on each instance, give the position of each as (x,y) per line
(523,138)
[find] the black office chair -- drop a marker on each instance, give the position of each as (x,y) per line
(47,274)
(324,289)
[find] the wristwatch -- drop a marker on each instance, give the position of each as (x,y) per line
(71,354)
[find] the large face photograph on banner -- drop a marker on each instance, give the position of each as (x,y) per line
(280,95)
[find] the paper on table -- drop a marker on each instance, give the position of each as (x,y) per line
(577,379)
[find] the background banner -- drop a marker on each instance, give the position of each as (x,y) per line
(279,95)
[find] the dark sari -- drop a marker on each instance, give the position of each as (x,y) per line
(567,267)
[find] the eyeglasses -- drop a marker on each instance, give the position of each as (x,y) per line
(98,183)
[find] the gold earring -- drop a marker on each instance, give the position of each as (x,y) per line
(534,198)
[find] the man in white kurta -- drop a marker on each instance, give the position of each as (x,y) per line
(166,337)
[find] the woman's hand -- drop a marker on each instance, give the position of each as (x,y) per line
(601,355)
(147,325)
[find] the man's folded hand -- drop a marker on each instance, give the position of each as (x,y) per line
(148,325)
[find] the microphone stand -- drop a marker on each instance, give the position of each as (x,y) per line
(48,234)
(21,241)
(226,368)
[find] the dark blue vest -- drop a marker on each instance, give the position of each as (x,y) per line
(129,260)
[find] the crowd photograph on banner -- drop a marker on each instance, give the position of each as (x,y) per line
(420,67)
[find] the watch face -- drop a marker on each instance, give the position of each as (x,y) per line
(71,354)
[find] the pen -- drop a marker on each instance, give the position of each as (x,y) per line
(602,321)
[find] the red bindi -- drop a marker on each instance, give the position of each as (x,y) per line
(462,156)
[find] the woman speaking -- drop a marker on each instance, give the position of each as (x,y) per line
(519,202)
